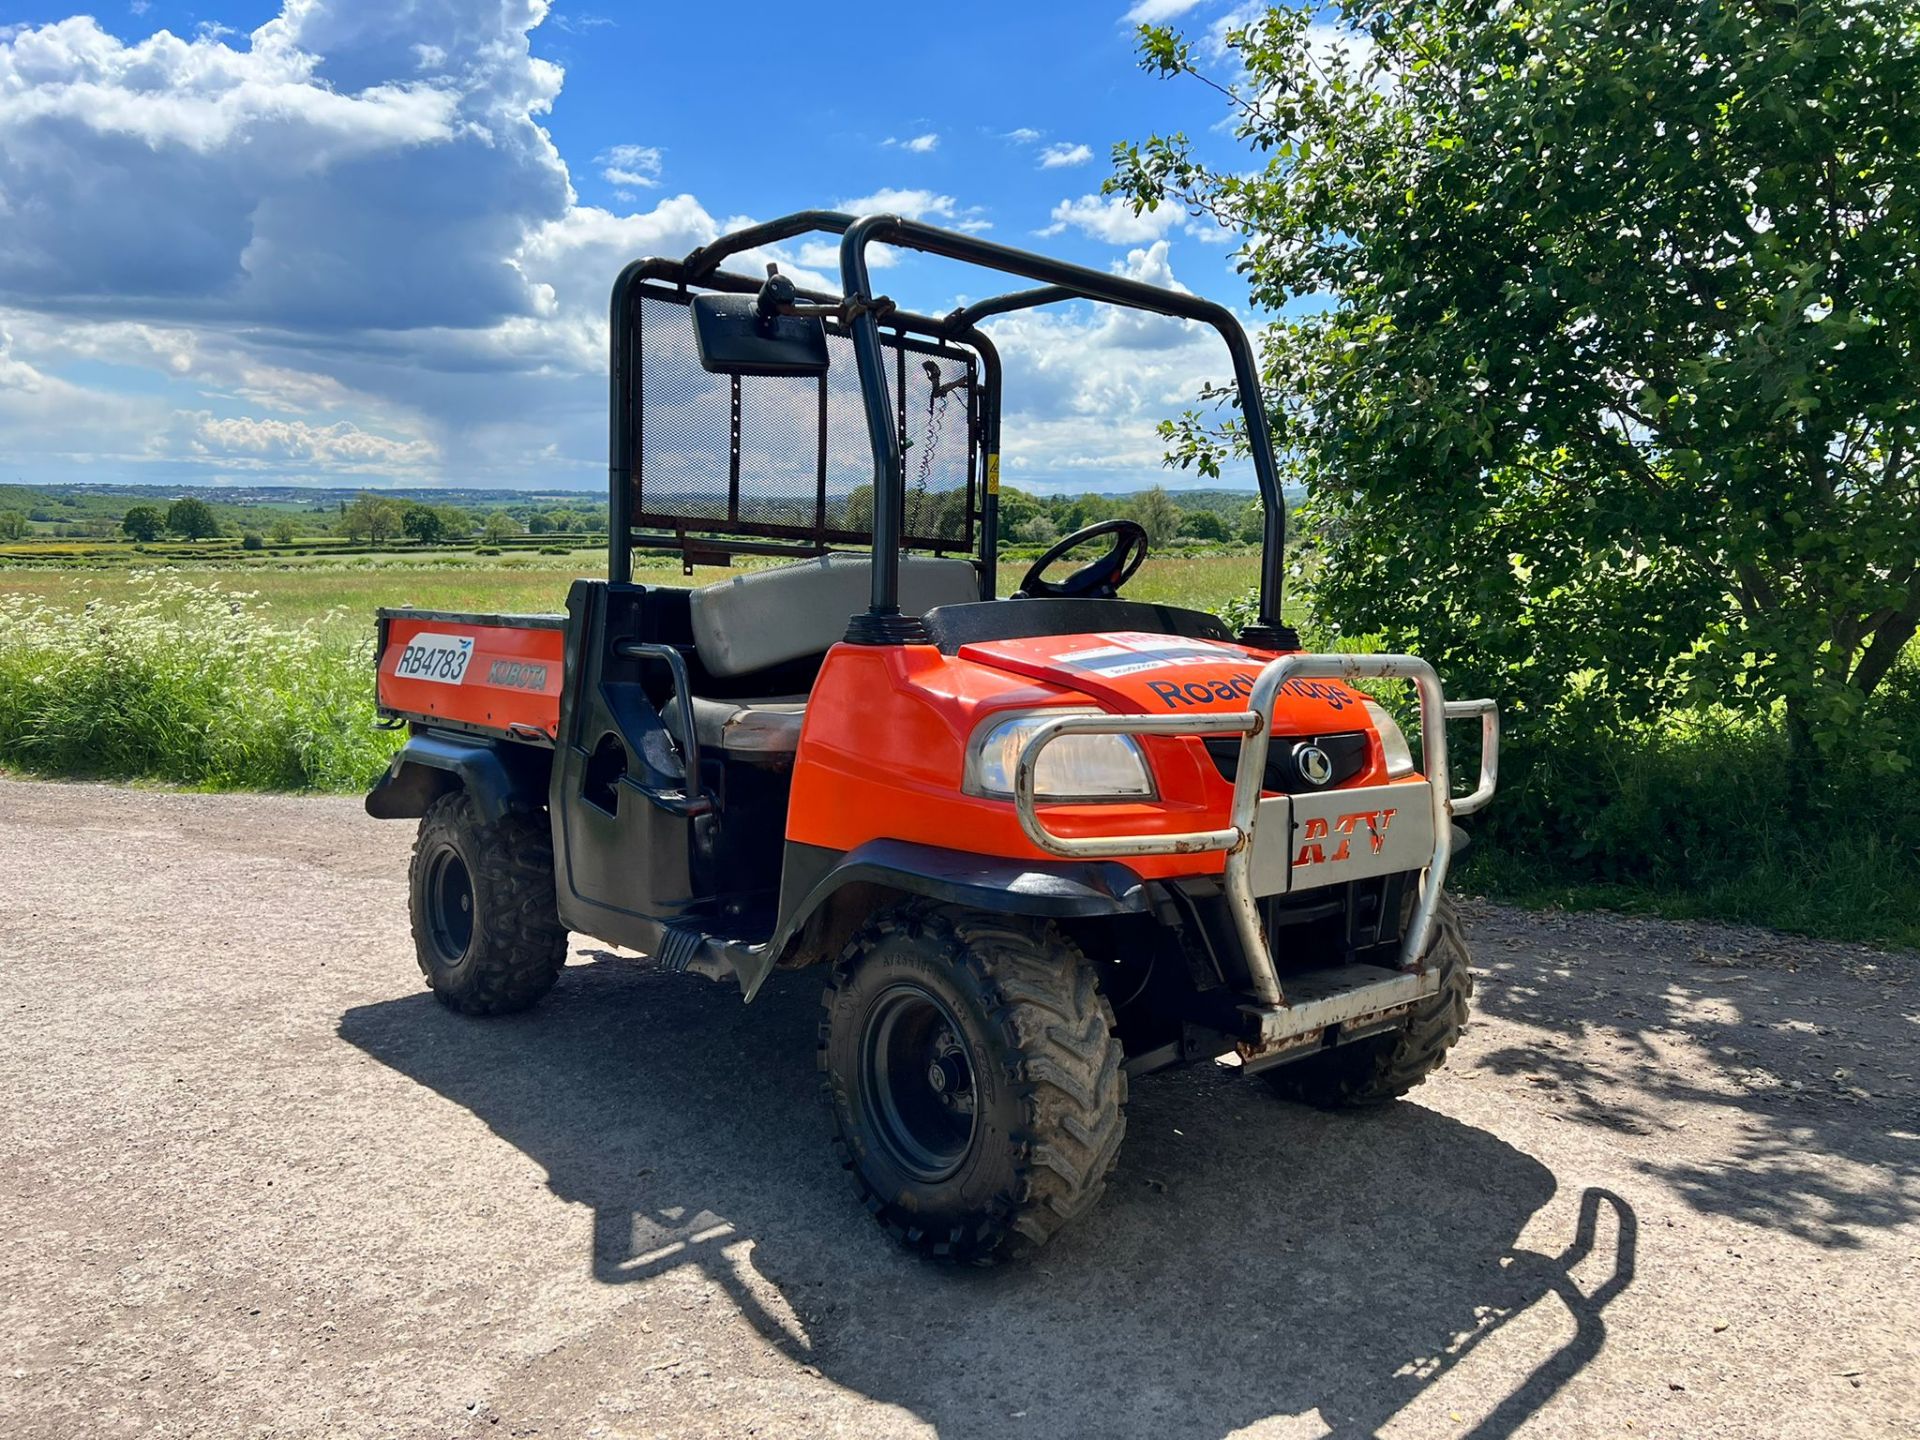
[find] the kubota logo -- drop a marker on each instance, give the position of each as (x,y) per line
(1318,834)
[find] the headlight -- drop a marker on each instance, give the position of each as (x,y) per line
(1074,767)
(1392,741)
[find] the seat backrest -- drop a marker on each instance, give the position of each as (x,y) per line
(787,613)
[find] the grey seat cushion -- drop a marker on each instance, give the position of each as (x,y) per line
(792,611)
(769,726)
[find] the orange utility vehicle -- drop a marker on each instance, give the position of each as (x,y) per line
(1041,844)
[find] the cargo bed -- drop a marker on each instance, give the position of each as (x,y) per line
(494,675)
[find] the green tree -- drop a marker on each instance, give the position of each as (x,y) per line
(283,532)
(423,523)
(253,540)
(13,524)
(1613,385)
(857,510)
(500,526)
(192,519)
(1037,529)
(1017,507)
(1204,525)
(1079,511)
(370,517)
(1155,510)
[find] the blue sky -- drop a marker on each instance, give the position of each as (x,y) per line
(346,242)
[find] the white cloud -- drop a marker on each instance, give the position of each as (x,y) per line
(1332,42)
(824,255)
(1113,220)
(578,24)
(1152,12)
(345,248)
(267,193)
(1023,136)
(1055,157)
(916,145)
(1328,42)
(909,204)
(248,442)
(309,203)
(1086,387)
(633,166)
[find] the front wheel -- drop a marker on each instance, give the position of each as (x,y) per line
(974,1079)
(485,930)
(1370,1072)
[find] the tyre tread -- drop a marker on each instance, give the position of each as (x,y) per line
(519,946)
(1059,1037)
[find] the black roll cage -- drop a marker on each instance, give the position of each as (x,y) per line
(864,313)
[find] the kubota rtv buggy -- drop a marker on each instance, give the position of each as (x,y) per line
(1037,844)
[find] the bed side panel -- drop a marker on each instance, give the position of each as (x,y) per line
(500,673)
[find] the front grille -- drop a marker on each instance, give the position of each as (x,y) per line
(1347,751)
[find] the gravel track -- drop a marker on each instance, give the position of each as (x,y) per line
(258,1183)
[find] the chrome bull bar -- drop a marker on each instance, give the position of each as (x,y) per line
(1254,726)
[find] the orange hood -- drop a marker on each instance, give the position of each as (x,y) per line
(1135,672)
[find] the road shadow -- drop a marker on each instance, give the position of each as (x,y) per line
(1251,1259)
(1810,1052)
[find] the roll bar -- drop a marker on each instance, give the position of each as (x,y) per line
(700,268)
(1058,280)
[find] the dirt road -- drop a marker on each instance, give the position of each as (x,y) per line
(258,1183)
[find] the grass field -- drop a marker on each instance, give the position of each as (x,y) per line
(341,592)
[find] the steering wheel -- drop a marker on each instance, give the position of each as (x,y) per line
(1100,579)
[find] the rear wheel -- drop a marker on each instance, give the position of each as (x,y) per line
(974,1078)
(485,929)
(1371,1072)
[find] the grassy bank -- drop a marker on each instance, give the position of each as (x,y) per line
(1708,819)
(216,678)
(181,681)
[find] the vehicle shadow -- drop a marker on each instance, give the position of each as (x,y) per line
(1251,1259)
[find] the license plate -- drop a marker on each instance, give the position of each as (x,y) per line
(442,659)
(1301,842)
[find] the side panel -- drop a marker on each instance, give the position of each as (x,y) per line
(498,673)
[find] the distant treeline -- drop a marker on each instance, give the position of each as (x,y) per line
(284,515)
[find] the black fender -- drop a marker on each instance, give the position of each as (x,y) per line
(501,775)
(816,884)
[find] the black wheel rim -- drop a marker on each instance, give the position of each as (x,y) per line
(917,1082)
(449,901)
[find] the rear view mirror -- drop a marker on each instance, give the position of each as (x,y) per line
(749,334)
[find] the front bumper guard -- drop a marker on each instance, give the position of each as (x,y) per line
(1275,844)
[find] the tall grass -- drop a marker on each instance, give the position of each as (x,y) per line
(1705,816)
(182,681)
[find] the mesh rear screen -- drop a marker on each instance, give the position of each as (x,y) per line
(787,457)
